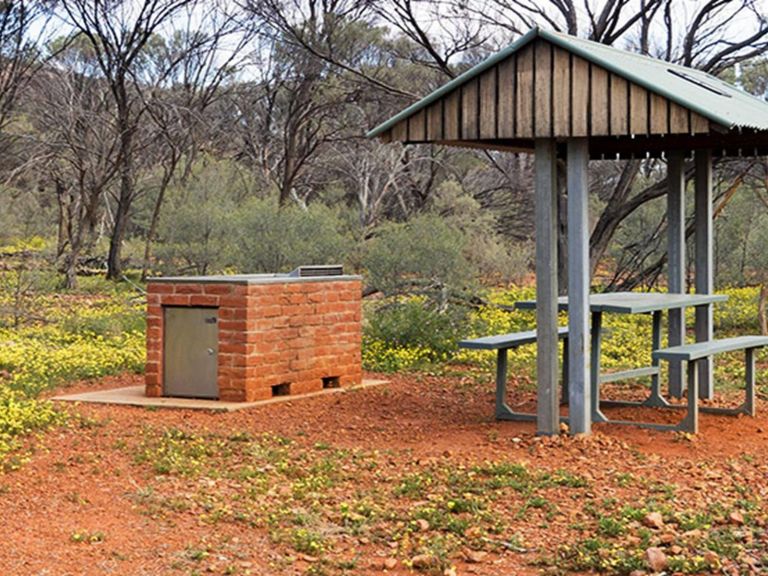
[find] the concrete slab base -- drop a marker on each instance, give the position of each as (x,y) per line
(134,396)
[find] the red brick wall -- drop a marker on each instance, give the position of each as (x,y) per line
(269,334)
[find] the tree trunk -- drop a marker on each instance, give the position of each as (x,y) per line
(70,268)
(762,304)
(61,236)
(615,212)
(152,232)
(289,170)
(114,263)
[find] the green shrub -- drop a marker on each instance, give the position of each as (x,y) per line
(274,239)
(195,230)
(410,333)
(415,323)
(421,253)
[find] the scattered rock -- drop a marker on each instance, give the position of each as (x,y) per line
(307,558)
(637,573)
(736,518)
(473,533)
(712,559)
(675,550)
(422,524)
(423,561)
(389,563)
(656,559)
(667,538)
(653,520)
(474,556)
(449,571)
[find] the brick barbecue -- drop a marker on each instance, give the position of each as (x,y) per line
(269,335)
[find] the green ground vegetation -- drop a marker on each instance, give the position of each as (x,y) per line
(313,497)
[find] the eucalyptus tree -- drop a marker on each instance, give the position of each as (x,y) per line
(75,148)
(24,28)
(330,69)
(296,103)
(191,72)
(119,33)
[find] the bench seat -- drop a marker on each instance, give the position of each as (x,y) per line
(691,352)
(512,340)
(502,343)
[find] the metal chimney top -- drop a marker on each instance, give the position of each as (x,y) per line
(318,270)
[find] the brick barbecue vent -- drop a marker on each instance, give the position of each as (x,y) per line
(247,337)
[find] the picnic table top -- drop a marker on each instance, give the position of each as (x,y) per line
(635,302)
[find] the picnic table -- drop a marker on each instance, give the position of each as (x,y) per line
(653,303)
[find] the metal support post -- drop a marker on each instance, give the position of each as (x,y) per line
(547,409)
(704,264)
(676,261)
(579,396)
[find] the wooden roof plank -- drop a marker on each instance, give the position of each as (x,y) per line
(469,110)
(506,103)
(561,97)
(542,90)
(524,94)
(488,108)
(599,108)
(580,92)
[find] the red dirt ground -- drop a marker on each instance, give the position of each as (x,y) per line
(79,480)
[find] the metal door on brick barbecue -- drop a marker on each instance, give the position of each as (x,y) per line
(191,348)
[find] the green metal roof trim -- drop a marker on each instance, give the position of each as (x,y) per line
(703,93)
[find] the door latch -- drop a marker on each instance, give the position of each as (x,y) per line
(211,320)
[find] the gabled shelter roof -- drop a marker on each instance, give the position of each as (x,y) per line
(708,95)
(548,84)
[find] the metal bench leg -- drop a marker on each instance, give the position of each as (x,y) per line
(594,376)
(749,400)
(748,406)
(676,327)
(691,421)
(501,383)
(503,411)
(564,395)
(656,400)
